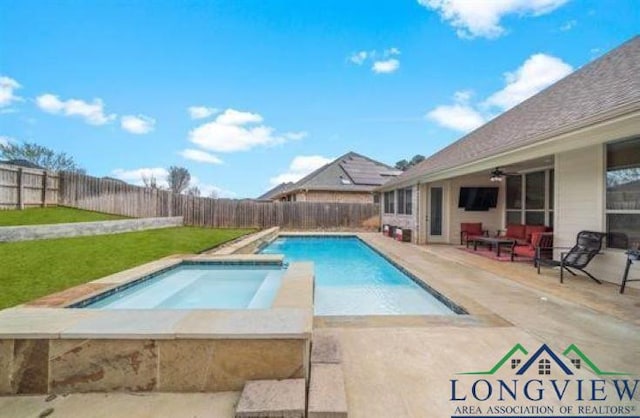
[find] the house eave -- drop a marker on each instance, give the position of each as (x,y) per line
(618,124)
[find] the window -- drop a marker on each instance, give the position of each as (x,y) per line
(389,202)
(530,198)
(623,194)
(544,366)
(408,201)
(401,200)
(376,198)
(515,362)
(405,204)
(576,363)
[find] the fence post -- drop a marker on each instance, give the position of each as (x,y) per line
(20,189)
(45,174)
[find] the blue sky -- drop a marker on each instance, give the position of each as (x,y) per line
(276,88)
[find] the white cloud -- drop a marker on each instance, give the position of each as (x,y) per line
(385,67)
(295,136)
(201,112)
(235,130)
(359,58)
(300,166)
(382,61)
(136,176)
(137,124)
(568,25)
(459,117)
(92,113)
(538,72)
(8,86)
(200,156)
(482,18)
(235,117)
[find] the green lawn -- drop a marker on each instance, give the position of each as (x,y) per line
(57,215)
(31,269)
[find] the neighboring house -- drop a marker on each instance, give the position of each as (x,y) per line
(22,163)
(350,178)
(551,158)
(280,188)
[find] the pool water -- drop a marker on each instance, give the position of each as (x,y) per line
(353,279)
(200,286)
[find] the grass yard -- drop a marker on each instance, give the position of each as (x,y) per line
(57,215)
(32,269)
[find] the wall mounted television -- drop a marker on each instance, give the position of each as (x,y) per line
(478,198)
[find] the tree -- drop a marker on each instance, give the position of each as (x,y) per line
(417,159)
(39,155)
(193,191)
(150,181)
(178,179)
(404,165)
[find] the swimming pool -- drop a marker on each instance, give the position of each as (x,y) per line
(354,279)
(197,286)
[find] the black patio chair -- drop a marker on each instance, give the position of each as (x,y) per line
(588,245)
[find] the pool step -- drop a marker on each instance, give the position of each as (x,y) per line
(272,398)
(325,348)
(327,393)
(159,291)
(266,292)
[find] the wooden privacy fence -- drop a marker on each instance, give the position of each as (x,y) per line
(112,196)
(22,187)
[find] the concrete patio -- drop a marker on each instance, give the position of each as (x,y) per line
(402,366)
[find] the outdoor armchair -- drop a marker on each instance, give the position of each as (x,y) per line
(471,229)
(541,246)
(588,245)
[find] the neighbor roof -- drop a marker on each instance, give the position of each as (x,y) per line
(270,194)
(351,172)
(603,89)
(22,163)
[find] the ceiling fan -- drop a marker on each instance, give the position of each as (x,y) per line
(498,174)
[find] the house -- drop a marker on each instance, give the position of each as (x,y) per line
(277,190)
(351,178)
(19,162)
(567,158)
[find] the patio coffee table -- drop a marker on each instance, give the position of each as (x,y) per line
(492,242)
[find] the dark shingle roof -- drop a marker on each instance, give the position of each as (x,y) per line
(602,89)
(351,172)
(22,163)
(270,194)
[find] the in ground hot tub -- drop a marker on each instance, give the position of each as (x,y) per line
(196,324)
(196,285)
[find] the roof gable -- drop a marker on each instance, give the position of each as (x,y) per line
(350,172)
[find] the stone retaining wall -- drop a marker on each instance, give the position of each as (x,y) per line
(35,232)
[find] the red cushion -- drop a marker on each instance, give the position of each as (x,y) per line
(524,251)
(516,231)
(530,229)
(471,228)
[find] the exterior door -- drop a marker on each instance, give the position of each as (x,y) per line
(435,214)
